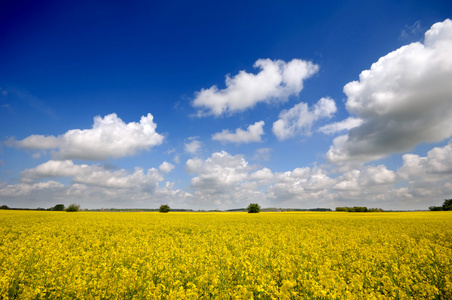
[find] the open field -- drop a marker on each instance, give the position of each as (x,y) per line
(332,255)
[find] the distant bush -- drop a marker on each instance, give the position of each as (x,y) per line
(58,207)
(73,208)
(4,207)
(164,208)
(253,208)
(436,208)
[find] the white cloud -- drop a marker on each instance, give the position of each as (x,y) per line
(38,142)
(404,99)
(253,133)
(193,146)
(300,187)
(218,172)
(276,81)
(56,168)
(166,167)
(95,175)
(109,137)
(226,180)
(47,194)
(193,165)
(346,124)
(24,189)
(437,163)
(264,174)
(299,119)
(370,176)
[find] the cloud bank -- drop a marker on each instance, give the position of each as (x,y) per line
(224,181)
(276,81)
(94,175)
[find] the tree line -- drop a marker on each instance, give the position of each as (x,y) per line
(59,207)
(358,209)
(447,205)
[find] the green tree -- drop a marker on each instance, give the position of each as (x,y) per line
(164,208)
(447,205)
(73,208)
(254,208)
(435,208)
(58,207)
(4,207)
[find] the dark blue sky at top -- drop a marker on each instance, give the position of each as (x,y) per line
(112,55)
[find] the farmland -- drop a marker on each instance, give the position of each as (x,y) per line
(296,255)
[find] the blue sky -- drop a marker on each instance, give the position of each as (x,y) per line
(214,105)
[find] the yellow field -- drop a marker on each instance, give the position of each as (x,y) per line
(88,255)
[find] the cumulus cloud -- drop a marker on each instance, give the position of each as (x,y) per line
(299,119)
(403,100)
(193,146)
(224,179)
(166,167)
(370,176)
(276,81)
(253,133)
(109,137)
(428,179)
(438,162)
(218,172)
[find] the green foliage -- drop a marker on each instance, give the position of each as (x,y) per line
(73,208)
(253,208)
(164,208)
(341,208)
(358,209)
(436,208)
(4,207)
(58,207)
(447,205)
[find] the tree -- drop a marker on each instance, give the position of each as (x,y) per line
(253,208)
(58,207)
(164,208)
(4,207)
(73,208)
(447,205)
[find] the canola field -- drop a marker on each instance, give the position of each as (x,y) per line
(331,255)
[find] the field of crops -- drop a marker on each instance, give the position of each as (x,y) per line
(332,255)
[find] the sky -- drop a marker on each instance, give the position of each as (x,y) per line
(218,104)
